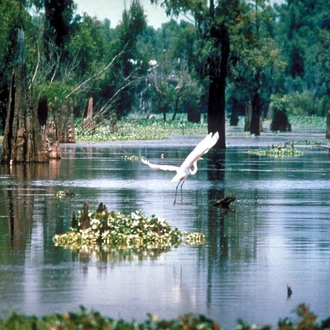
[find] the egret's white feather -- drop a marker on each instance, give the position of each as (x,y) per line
(185,170)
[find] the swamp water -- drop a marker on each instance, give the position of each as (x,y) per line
(278,235)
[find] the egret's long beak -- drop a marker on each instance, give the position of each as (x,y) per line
(201,158)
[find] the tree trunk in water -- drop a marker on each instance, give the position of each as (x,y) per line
(49,129)
(255,116)
(327,134)
(194,115)
(216,111)
(217,89)
(65,123)
(22,141)
(248,115)
(88,115)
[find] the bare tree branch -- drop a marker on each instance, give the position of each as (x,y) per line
(37,67)
(105,106)
(95,75)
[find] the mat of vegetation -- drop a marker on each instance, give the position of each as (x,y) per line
(111,229)
(139,129)
(86,319)
(286,150)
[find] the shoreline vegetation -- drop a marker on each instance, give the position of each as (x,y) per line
(137,128)
(88,319)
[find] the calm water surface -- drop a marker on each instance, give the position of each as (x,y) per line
(279,234)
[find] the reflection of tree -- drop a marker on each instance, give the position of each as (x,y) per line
(230,235)
(20,197)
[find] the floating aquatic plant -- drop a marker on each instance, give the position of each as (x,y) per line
(111,229)
(132,157)
(286,150)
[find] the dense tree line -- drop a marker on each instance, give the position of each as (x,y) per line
(232,55)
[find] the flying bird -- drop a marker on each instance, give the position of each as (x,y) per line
(183,171)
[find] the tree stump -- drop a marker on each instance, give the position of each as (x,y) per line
(113,127)
(85,221)
(65,123)
(88,115)
(49,129)
(280,121)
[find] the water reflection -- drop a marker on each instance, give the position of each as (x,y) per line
(116,255)
(278,235)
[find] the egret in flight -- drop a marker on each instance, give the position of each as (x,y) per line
(189,166)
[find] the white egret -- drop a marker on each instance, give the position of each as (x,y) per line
(183,171)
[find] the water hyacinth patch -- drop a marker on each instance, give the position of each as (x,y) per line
(111,229)
(287,150)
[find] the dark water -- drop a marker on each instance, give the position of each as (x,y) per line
(279,235)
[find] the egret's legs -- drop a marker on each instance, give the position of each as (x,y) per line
(176,191)
(181,191)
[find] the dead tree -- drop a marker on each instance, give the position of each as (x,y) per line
(113,126)
(65,122)
(22,141)
(88,115)
(50,136)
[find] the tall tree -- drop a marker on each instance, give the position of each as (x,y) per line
(255,60)
(121,80)
(58,17)
(216,23)
(300,27)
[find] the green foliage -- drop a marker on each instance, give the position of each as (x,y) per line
(280,50)
(89,319)
(299,104)
(280,103)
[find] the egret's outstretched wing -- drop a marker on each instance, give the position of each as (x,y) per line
(160,167)
(202,148)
